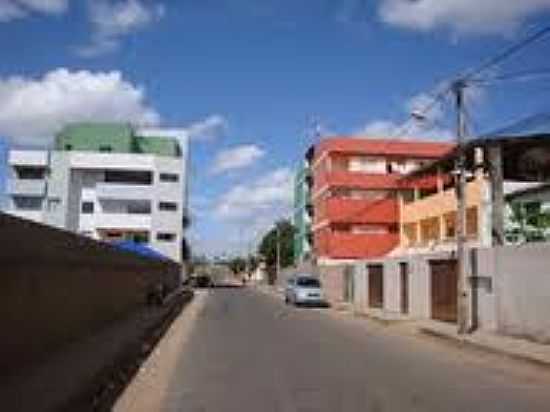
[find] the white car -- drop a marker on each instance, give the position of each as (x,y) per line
(304,289)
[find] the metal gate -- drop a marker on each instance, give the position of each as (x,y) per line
(376,286)
(444,290)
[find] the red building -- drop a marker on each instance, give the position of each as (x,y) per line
(354,207)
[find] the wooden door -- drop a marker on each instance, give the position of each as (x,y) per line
(444,290)
(404,274)
(376,286)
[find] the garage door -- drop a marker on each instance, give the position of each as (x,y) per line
(376,286)
(444,290)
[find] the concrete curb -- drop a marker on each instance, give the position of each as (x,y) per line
(466,342)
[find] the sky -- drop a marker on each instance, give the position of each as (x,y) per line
(252,81)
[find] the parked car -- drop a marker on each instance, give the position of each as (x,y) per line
(304,289)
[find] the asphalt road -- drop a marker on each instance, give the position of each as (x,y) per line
(250,352)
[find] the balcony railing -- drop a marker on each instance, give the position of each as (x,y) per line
(26,187)
(123,192)
(121,221)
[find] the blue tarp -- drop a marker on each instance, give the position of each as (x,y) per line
(138,249)
(533,126)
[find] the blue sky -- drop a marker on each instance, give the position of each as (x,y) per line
(246,78)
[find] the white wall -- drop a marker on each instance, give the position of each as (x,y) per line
(367,164)
(521,283)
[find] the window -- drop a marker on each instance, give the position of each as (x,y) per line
(471,222)
(450,225)
(87,207)
(532,213)
(105,149)
(166,237)
(30,173)
(114,235)
(139,237)
(27,202)
(53,203)
(69,147)
(308,282)
(168,206)
(129,177)
(139,208)
(169,177)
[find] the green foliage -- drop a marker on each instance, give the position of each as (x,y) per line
(237,264)
(268,246)
(528,223)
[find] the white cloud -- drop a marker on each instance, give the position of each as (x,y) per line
(461,16)
(269,195)
(236,158)
(210,128)
(32,110)
(16,9)
(112,20)
(428,124)
(428,128)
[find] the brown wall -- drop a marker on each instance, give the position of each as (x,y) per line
(57,287)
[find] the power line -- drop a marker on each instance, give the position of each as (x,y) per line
(506,53)
(525,75)
(469,76)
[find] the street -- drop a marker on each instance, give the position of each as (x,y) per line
(248,352)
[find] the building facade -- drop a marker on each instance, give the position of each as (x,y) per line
(303,236)
(354,196)
(107,181)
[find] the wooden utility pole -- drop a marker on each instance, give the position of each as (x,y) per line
(497,194)
(462,284)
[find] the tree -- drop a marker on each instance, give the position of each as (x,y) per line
(284,232)
(237,264)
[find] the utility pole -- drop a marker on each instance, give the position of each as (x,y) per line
(462,284)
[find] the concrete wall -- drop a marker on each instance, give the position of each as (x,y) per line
(509,290)
(419,292)
(58,287)
(520,302)
(332,278)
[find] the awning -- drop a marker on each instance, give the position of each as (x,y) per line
(525,149)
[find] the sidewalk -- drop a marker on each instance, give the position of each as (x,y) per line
(516,348)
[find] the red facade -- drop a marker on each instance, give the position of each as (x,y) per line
(355,185)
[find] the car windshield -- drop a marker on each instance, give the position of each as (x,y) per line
(308,283)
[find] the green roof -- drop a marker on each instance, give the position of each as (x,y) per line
(160,146)
(113,137)
(95,137)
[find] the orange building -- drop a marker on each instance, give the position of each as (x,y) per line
(354,187)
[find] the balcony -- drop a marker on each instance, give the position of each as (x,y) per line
(359,245)
(346,210)
(34,215)
(117,191)
(358,180)
(34,158)
(26,187)
(122,221)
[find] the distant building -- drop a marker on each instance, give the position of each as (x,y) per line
(106,181)
(346,196)
(527,213)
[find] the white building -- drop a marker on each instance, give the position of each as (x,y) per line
(106,181)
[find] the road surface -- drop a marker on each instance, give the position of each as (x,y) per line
(249,352)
